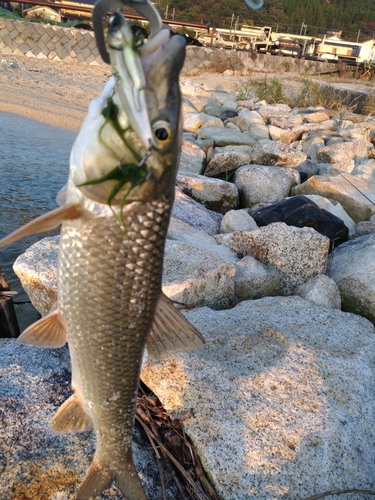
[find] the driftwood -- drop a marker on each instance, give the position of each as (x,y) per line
(8,320)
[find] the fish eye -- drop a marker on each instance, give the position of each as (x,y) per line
(162,134)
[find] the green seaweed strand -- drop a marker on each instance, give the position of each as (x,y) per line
(124,173)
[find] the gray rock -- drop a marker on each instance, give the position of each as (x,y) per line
(225,160)
(260,130)
(196,277)
(343,152)
(316,117)
(309,168)
(237,220)
(250,117)
(260,183)
(363,228)
(226,137)
(354,194)
(180,231)
(232,126)
(214,194)
(269,111)
(193,121)
(254,280)
(214,109)
(35,462)
(195,214)
(192,159)
(311,147)
(365,170)
(211,122)
(285,135)
(37,270)
(267,152)
(336,168)
(321,290)
(353,269)
(283,397)
(297,253)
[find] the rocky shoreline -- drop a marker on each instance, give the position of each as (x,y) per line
(283,393)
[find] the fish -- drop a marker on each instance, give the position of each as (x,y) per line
(115,212)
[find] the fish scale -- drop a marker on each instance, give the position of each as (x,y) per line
(108,311)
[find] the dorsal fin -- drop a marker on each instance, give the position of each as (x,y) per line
(45,222)
(171,331)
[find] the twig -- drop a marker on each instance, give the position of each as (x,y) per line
(339,492)
(186,476)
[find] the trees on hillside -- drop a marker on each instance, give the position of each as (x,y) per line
(352,18)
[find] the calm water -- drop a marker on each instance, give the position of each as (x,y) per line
(34,164)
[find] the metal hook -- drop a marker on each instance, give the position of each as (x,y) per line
(143,7)
(253,5)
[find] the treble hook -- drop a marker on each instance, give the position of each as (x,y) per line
(143,7)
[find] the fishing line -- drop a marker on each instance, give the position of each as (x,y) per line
(355,187)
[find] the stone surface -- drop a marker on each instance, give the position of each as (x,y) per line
(297,253)
(354,194)
(225,160)
(195,214)
(267,152)
(181,231)
(343,151)
(254,280)
(365,170)
(362,228)
(283,396)
(37,271)
(226,137)
(321,290)
(35,462)
(214,194)
(196,277)
(260,183)
(237,220)
(192,158)
(353,270)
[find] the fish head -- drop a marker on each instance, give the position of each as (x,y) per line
(129,145)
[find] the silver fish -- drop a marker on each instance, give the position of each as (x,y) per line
(115,216)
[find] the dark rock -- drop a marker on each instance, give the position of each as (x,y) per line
(299,211)
(228,113)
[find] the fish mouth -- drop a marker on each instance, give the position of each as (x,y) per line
(128,147)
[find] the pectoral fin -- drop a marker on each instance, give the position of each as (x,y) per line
(45,222)
(72,416)
(46,332)
(171,331)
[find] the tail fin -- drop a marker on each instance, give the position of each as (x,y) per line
(100,477)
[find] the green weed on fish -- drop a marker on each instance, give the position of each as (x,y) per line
(124,173)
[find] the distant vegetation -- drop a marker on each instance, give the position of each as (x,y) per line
(352,17)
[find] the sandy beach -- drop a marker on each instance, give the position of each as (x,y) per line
(58,93)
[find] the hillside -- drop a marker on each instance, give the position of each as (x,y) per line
(353,18)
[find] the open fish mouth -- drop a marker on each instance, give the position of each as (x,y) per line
(121,151)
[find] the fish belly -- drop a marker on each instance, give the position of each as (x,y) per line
(108,284)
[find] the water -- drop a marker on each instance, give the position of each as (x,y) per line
(34,165)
